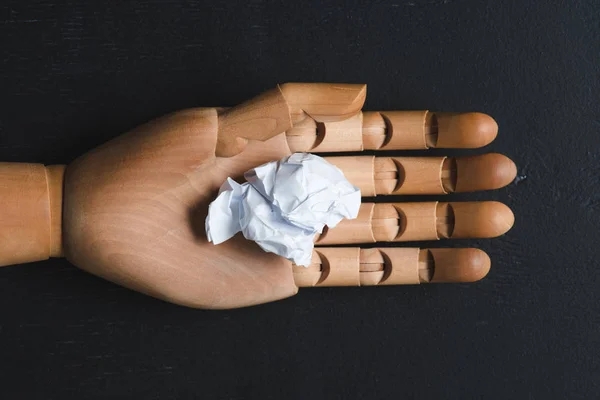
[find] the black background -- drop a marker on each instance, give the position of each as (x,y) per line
(75,74)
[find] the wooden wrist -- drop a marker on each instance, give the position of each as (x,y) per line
(30,212)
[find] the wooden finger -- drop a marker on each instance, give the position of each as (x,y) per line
(391,266)
(323,102)
(394,130)
(426,175)
(277,110)
(402,222)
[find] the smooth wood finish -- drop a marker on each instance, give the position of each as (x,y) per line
(459,265)
(396,130)
(140,220)
(401,222)
(56,175)
(30,207)
(487,171)
(463,130)
(258,119)
(351,266)
(134,208)
(359,170)
(426,175)
(276,110)
(323,102)
(332,136)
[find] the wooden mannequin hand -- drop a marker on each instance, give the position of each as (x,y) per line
(134,208)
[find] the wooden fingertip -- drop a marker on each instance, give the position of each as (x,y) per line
(483,172)
(485,219)
(458,265)
(463,130)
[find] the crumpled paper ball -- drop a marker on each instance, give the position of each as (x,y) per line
(283,205)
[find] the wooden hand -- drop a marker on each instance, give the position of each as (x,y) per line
(134,208)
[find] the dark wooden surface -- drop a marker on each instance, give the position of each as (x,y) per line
(74,74)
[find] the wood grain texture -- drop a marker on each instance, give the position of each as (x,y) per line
(140,220)
(401,222)
(350,266)
(392,130)
(425,175)
(25,224)
(135,207)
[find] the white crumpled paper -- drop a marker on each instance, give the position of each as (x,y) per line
(283,205)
